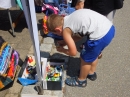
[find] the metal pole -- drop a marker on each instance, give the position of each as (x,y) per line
(10,19)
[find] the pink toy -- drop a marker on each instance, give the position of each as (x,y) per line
(50,8)
(11,67)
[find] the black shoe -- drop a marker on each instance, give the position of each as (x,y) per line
(92,77)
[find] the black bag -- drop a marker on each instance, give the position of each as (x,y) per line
(118,4)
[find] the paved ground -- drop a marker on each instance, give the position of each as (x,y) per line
(113,69)
(22,43)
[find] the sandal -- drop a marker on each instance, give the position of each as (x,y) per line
(74,81)
(92,77)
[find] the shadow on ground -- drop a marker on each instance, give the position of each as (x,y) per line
(5,23)
(73,64)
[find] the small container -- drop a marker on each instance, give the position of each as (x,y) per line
(53,85)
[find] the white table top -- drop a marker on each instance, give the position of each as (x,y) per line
(6,4)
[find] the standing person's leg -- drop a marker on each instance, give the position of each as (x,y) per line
(93,67)
(84,71)
(89,59)
(111,15)
(87,68)
(93,51)
(92,72)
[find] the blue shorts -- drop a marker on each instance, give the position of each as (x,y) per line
(94,47)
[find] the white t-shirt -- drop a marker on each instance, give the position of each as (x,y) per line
(87,22)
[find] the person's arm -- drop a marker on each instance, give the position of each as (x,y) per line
(62,43)
(76,37)
(72,50)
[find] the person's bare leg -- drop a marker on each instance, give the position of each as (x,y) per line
(93,66)
(85,68)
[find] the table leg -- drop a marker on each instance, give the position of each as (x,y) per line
(10,19)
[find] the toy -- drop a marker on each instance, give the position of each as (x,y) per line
(13,64)
(11,67)
(16,57)
(31,61)
(56,75)
(65,9)
(3,59)
(54,72)
(49,9)
(45,29)
(30,70)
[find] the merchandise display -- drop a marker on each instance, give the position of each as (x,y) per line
(28,74)
(62,7)
(8,63)
(52,72)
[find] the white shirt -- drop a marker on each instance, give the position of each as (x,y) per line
(88,22)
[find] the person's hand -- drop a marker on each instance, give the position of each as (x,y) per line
(79,5)
(61,43)
(60,48)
